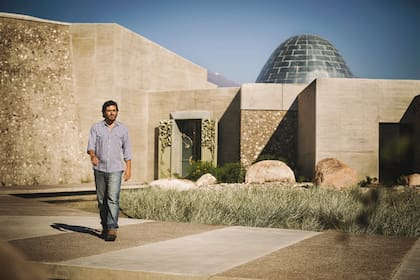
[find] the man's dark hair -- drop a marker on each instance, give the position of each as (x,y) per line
(107,104)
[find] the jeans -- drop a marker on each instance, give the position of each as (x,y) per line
(108,186)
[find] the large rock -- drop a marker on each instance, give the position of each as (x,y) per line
(206,180)
(331,172)
(173,184)
(412,180)
(270,171)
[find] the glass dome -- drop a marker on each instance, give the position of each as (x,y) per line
(301,59)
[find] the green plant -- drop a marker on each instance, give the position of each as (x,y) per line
(199,168)
(233,172)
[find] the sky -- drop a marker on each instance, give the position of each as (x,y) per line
(377,39)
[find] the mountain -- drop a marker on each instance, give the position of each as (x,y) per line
(220,80)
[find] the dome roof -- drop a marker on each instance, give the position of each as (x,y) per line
(301,59)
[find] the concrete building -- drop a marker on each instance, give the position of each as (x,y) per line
(55,76)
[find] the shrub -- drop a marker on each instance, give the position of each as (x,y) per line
(199,168)
(228,173)
(233,172)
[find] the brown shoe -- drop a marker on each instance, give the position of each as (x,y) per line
(104,233)
(111,235)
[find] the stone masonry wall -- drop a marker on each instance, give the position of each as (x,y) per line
(39,132)
(268,134)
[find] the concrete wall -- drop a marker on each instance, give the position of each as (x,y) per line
(161,104)
(348,113)
(112,62)
(306,148)
(269,122)
(412,117)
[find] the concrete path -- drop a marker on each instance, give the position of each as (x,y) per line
(64,243)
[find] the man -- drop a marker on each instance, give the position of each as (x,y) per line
(109,147)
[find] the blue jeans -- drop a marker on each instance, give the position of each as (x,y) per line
(108,186)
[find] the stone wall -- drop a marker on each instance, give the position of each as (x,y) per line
(268,134)
(39,132)
(269,122)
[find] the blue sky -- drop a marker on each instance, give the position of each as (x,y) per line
(378,39)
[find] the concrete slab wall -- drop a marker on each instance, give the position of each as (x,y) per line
(348,113)
(412,117)
(217,101)
(270,96)
(306,147)
(112,62)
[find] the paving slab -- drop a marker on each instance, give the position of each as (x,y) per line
(410,266)
(200,254)
(21,227)
(330,255)
(77,244)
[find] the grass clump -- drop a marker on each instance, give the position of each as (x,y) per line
(358,210)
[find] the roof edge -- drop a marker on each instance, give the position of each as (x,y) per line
(26,17)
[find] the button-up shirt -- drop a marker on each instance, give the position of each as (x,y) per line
(111,146)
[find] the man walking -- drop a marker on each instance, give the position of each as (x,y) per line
(109,147)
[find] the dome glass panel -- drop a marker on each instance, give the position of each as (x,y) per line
(301,59)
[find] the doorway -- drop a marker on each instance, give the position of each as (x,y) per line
(396,150)
(190,132)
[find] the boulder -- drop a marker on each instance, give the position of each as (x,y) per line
(270,171)
(413,179)
(331,172)
(173,184)
(206,180)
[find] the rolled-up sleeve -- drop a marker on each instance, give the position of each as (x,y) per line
(92,140)
(126,146)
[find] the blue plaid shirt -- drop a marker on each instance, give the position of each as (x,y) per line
(112,147)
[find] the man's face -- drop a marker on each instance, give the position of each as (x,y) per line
(111,113)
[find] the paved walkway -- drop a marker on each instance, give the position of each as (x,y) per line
(63,243)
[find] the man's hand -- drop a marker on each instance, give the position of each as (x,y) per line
(127,175)
(95,160)
(127,172)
